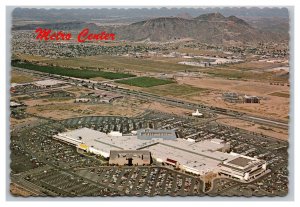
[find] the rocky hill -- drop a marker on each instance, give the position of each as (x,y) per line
(208,28)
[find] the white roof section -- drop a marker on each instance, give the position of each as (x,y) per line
(13,103)
(241,161)
(109,141)
(19,84)
(14,84)
(204,156)
(115,134)
(217,141)
(131,142)
(197,113)
(48,82)
(248,96)
(190,160)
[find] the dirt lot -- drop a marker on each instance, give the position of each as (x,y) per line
(166,108)
(271,106)
(19,191)
(268,131)
(67,109)
(22,122)
(20,77)
(256,65)
(239,86)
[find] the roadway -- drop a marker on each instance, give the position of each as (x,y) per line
(166,100)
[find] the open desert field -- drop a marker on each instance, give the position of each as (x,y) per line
(21,77)
(63,109)
(257,128)
(275,98)
(257,65)
(239,86)
(166,108)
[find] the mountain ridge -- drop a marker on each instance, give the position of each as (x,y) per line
(208,28)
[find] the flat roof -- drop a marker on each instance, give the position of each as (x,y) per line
(13,103)
(96,139)
(48,82)
(156,133)
(130,154)
(132,142)
(191,160)
(240,161)
(203,156)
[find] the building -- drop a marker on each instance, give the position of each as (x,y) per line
(197,114)
(82,100)
(148,134)
(251,99)
(115,134)
(49,83)
(243,167)
(198,158)
(14,104)
(162,146)
(231,97)
(100,96)
(129,157)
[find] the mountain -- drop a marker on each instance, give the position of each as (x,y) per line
(184,15)
(207,28)
(158,29)
(274,25)
(211,17)
(131,15)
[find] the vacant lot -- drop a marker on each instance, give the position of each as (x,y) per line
(33,58)
(280,94)
(268,131)
(256,65)
(174,90)
(62,110)
(19,77)
(233,72)
(225,72)
(275,107)
(145,82)
(71,72)
(249,87)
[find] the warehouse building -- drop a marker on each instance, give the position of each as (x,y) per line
(49,83)
(251,99)
(231,97)
(140,147)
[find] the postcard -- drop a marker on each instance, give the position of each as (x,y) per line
(148,102)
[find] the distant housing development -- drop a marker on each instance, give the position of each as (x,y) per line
(137,148)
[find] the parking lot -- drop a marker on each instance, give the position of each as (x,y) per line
(148,181)
(89,171)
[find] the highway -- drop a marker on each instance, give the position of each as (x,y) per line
(103,85)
